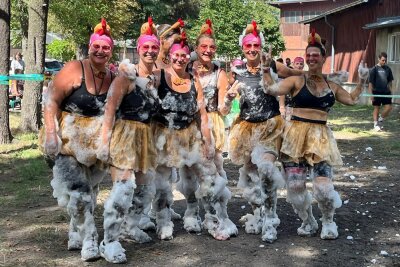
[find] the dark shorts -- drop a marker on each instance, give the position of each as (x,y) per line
(381,101)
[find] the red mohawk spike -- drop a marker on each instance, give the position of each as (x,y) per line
(313,36)
(209,31)
(183,39)
(150,29)
(255,33)
(181,22)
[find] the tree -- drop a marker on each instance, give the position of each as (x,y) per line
(19,24)
(75,20)
(63,50)
(31,106)
(5,133)
(231,19)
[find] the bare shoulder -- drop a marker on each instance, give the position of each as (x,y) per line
(69,77)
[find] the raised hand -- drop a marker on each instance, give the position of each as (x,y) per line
(363,71)
(266,58)
(233,91)
(127,69)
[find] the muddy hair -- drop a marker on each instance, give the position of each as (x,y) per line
(321,46)
(164,27)
(202,36)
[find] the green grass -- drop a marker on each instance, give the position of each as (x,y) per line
(24,174)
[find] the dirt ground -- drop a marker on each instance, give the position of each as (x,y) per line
(35,233)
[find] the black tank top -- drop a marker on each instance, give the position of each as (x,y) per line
(255,105)
(305,99)
(210,90)
(178,110)
(142,103)
(82,102)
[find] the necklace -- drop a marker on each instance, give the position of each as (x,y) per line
(202,68)
(165,60)
(176,80)
(253,70)
(94,79)
(315,78)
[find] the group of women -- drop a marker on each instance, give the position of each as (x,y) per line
(162,116)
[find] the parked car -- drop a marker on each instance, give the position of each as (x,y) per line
(51,67)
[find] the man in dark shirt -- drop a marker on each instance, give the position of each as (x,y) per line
(380,83)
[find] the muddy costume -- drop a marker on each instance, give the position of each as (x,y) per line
(214,82)
(254,141)
(308,143)
(179,141)
(77,172)
(133,102)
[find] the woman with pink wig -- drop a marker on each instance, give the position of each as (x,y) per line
(183,140)
(255,137)
(127,145)
(308,143)
(214,82)
(73,114)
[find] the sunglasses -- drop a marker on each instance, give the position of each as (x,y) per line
(176,56)
(254,46)
(146,48)
(204,47)
(313,55)
(105,48)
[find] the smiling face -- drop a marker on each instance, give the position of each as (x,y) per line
(314,59)
(206,49)
(298,65)
(148,52)
(251,51)
(100,52)
(179,59)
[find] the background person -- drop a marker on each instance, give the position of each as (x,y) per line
(380,83)
(298,63)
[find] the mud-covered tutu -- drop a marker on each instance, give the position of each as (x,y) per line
(176,148)
(79,136)
(310,142)
(244,136)
(132,146)
(218,130)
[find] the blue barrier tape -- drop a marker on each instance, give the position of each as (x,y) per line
(387,96)
(26,77)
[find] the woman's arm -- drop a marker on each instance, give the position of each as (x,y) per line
(121,85)
(351,99)
(284,71)
(209,149)
(64,83)
(224,107)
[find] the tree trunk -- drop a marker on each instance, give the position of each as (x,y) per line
(31,103)
(5,133)
(82,52)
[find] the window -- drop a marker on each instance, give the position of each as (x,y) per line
(292,16)
(310,14)
(394,48)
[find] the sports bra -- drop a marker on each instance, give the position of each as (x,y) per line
(81,102)
(178,110)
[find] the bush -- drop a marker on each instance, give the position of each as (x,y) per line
(62,50)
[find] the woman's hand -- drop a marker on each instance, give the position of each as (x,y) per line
(52,145)
(233,91)
(103,152)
